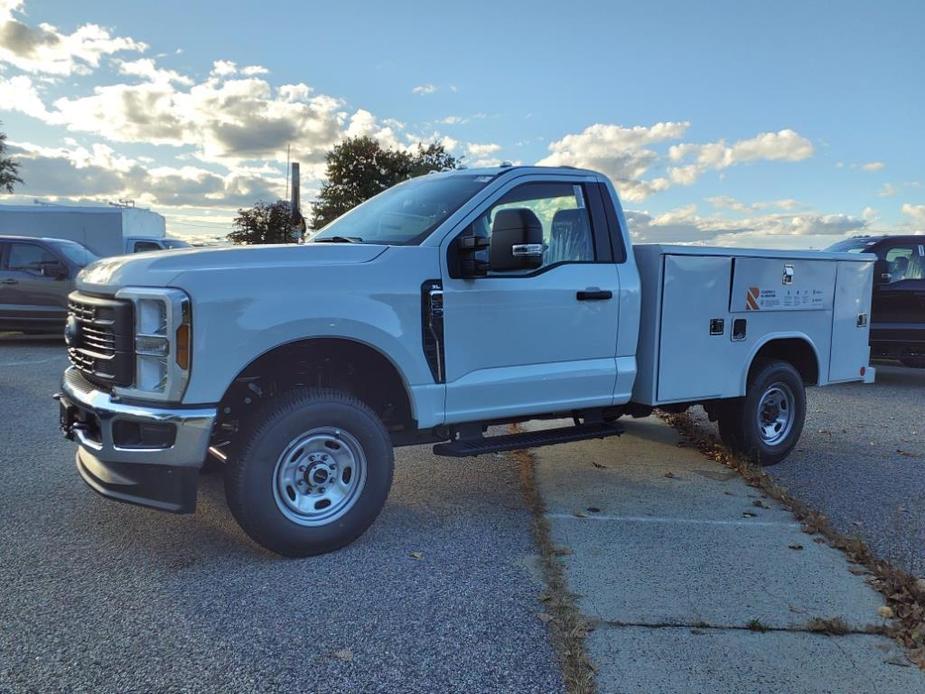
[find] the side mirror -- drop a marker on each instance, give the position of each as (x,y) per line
(516,241)
(470,249)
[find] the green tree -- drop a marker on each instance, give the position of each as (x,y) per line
(359,168)
(8,168)
(265,222)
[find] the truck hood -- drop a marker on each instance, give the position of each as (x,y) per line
(159,268)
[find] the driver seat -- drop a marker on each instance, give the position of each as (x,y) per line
(570,239)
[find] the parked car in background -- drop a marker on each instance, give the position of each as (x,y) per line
(135,244)
(897,329)
(104,230)
(36,275)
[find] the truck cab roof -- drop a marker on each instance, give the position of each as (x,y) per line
(505,169)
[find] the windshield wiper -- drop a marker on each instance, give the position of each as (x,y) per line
(339,239)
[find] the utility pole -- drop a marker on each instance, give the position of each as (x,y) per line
(295,205)
(288,152)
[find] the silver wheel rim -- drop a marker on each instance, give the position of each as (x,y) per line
(776,413)
(319,476)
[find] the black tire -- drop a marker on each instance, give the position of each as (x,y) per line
(913,362)
(728,424)
(739,427)
(250,475)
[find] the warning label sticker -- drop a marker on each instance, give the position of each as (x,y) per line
(771,284)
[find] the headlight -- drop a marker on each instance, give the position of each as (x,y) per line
(163,334)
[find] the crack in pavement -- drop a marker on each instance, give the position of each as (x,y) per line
(872,630)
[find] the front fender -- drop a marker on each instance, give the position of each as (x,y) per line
(378,303)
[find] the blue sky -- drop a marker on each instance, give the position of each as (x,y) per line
(786,123)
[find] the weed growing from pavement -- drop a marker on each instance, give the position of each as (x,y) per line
(904,594)
(567,628)
(836,626)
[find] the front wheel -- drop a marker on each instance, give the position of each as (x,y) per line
(766,424)
(312,474)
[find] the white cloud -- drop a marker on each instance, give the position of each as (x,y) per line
(251,70)
(730,203)
(620,152)
(887,191)
(99,173)
(423,89)
(148,70)
(915,213)
(684,225)
(20,94)
(627,155)
(474,149)
(365,124)
(231,119)
(874,166)
(784,145)
(224,68)
(44,49)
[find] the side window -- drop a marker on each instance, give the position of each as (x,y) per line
(27,257)
(563,213)
(905,263)
(144,246)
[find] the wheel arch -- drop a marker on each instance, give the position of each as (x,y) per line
(795,348)
(344,363)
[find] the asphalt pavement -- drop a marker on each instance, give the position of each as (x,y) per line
(103,597)
(861,462)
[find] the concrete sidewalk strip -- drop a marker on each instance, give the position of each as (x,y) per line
(718,661)
(674,557)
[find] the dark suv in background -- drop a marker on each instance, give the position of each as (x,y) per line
(897,322)
(36,275)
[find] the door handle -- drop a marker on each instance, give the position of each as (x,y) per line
(9,281)
(594,295)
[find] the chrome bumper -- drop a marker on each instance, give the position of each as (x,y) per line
(164,477)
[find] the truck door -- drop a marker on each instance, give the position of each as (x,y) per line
(32,294)
(899,297)
(542,340)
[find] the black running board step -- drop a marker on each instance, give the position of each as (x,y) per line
(463,448)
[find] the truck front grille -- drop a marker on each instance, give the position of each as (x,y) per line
(100,339)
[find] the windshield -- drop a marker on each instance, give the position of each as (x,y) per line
(405,214)
(174,243)
(77,254)
(852,245)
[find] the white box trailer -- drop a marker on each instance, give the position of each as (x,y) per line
(706,313)
(105,230)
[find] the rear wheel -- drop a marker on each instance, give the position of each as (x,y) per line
(312,474)
(766,424)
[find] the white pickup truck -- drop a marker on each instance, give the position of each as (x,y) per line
(444,305)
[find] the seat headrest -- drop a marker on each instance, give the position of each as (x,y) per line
(567,221)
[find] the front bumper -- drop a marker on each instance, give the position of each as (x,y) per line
(163,477)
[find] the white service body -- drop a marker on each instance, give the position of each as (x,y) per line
(693,296)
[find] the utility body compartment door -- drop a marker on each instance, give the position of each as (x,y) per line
(693,362)
(851,321)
